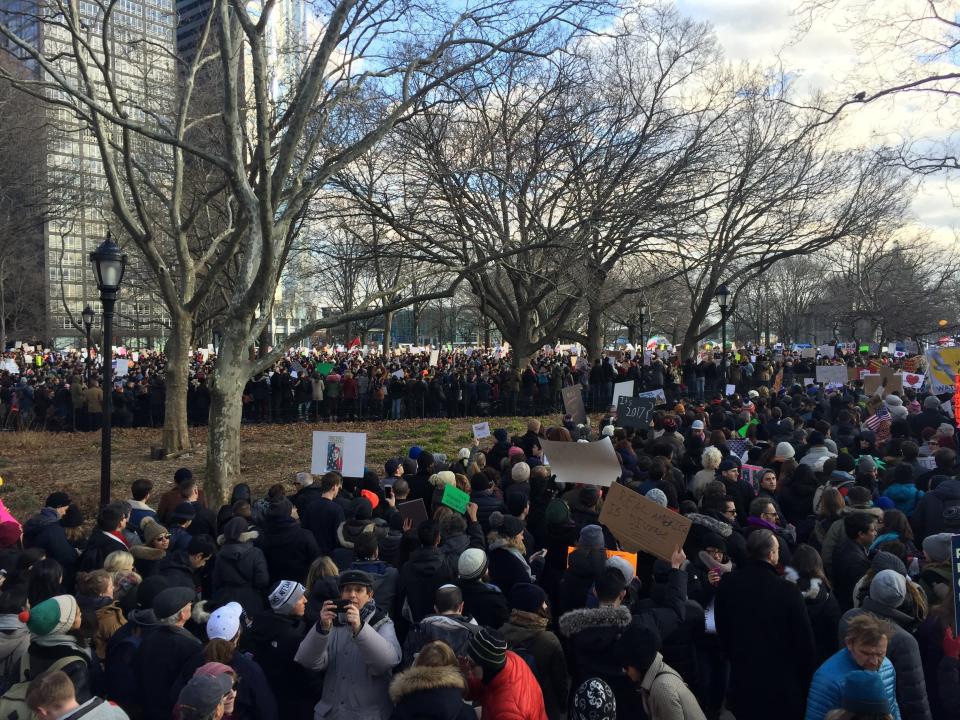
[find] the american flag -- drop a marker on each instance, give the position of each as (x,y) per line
(874,422)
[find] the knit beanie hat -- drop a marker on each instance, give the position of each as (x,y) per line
(931,402)
(527,597)
(284,596)
(9,534)
(624,566)
(444,477)
(514,451)
(73,517)
(937,547)
(638,647)
(557,512)
(520,472)
(591,536)
(472,564)
(884,560)
(510,527)
(488,649)
(53,616)
(151,529)
(658,496)
(594,700)
(234,528)
(863,694)
(501,435)
(784,451)
(866,464)
(889,588)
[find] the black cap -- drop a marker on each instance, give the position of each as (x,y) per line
(354,577)
(169,601)
(184,511)
(72,518)
(511,527)
(57,500)
(182,475)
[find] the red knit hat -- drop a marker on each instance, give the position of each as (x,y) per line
(9,534)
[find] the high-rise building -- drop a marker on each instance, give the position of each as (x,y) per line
(141,36)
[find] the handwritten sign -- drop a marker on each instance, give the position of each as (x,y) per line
(641,524)
(481,430)
(657,394)
(573,403)
(622,389)
(455,498)
(434,357)
(635,412)
(325,368)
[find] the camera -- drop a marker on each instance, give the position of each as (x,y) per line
(341,606)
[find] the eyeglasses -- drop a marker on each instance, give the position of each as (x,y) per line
(162,537)
(768,515)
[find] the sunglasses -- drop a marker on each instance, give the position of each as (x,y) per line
(162,537)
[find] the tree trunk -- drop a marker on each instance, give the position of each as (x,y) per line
(594,332)
(632,334)
(226,409)
(387,331)
(692,334)
(416,322)
(176,436)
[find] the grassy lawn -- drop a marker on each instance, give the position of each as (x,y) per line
(34,464)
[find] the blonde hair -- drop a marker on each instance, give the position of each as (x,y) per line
(320,568)
(711,458)
(118,561)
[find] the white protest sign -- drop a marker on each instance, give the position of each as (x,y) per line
(434,357)
(11,366)
(340,452)
(658,394)
(622,388)
(398,374)
(832,374)
(827,350)
(120,368)
(28,360)
(731,390)
(808,381)
(808,353)
(136,357)
(481,430)
(593,463)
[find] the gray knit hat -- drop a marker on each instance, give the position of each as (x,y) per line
(889,588)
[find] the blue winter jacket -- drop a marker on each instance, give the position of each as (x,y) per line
(905,496)
(827,685)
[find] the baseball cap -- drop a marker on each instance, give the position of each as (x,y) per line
(202,695)
(224,622)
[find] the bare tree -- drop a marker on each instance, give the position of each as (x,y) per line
(261,157)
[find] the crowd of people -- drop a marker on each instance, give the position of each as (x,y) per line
(818,587)
(59,391)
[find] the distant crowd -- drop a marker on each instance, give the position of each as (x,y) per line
(60,392)
(814,582)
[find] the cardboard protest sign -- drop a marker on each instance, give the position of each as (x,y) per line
(341,452)
(434,357)
(455,498)
(622,389)
(832,374)
(481,430)
(658,394)
(629,557)
(325,368)
(943,364)
(871,383)
(573,403)
(641,524)
(414,510)
(635,412)
(593,463)
(894,384)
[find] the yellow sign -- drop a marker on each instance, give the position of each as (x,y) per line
(943,365)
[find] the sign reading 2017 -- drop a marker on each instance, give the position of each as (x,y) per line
(635,412)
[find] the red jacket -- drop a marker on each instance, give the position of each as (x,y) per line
(514,693)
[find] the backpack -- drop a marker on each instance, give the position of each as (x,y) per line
(951,516)
(13,702)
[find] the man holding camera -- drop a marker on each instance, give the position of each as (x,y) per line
(356,644)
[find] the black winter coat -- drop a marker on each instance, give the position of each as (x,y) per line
(322,519)
(487,504)
(177,570)
(484,603)
(927,518)
(506,568)
(765,632)
(44,531)
(304,498)
(420,577)
(850,563)
(288,549)
(240,574)
(584,567)
(98,547)
(274,639)
(158,665)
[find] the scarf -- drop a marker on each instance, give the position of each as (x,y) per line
(120,537)
(711,563)
(11,622)
(528,620)
(59,639)
(367,611)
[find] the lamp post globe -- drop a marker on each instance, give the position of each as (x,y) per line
(109,264)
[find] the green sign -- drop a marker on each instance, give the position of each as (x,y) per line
(864,348)
(324,368)
(455,498)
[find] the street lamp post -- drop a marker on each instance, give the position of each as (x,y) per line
(644,314)
(723,297)
(108,266)
(87,316)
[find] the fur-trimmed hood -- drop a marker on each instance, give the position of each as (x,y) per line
(721,528)
(418,679)
(608,616)
(248,536)
(352,529)
(145,552)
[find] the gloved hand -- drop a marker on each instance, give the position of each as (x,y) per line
(951,644)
